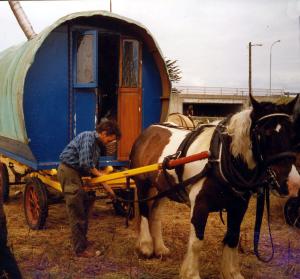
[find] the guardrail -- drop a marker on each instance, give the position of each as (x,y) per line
(232,91)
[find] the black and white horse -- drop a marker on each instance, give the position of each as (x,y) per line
(247,150)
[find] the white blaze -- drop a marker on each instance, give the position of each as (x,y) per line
(293,182)
(278,127)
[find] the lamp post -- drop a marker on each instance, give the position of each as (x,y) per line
(250,66)
(270,85)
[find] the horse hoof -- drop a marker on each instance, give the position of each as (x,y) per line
(189,276)
(232,276)
(162,252)
(145,249)
(187,273)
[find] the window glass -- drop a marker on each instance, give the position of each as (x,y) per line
(85,73)
(130,69)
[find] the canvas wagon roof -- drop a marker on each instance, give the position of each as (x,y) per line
(16,61)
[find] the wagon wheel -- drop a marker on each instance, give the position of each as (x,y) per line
(292,212)
(35,203)
(124,208)
(4,182)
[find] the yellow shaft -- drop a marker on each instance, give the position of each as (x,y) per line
(126,173)
(114,179)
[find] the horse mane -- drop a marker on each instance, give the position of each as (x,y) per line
(239,129)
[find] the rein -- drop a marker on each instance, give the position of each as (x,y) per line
(262,196)
(225,168)
(175,187)
(280,156)
(260,183)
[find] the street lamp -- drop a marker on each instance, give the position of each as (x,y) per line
(250,66)
(278,41)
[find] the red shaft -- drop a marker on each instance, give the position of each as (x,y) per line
(184,160)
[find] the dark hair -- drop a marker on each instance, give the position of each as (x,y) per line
(110,127)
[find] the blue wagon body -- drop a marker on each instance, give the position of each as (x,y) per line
(85,67)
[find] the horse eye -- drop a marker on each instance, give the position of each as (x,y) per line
(269,132)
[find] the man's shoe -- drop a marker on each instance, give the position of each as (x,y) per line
(90,252)
(90,243)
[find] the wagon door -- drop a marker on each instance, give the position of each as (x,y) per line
(85,81)
(129,97)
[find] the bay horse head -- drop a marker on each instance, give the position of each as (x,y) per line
(272,136)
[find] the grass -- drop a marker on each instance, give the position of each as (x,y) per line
(48,254)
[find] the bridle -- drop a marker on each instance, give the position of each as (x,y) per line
(263,194)
(257,138)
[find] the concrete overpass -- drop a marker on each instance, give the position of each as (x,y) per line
(218,101)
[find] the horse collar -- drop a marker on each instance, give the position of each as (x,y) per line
(223,165)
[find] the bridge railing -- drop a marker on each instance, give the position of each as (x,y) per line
(229,91)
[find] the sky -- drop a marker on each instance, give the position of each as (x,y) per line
(208,38)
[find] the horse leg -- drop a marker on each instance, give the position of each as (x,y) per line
(155,228)
(230,268)
(199,212)
(145,242)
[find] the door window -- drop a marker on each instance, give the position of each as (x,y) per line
(85,59)
(130,63)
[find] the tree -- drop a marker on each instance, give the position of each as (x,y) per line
(174,73)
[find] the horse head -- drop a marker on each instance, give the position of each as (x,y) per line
(272,137)
(294,184)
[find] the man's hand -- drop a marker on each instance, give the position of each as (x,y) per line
(96,172)
(109,190)
(87,182)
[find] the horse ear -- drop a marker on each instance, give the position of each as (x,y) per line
(255,104)
(293,104)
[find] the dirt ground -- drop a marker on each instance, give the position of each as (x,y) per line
(47,253)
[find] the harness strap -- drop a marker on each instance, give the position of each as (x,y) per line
(263,196)
(180,194)
(186,143)
(224,165)
(178,186)
(280,156)
(273,115)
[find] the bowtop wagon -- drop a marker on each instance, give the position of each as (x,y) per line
(85,67)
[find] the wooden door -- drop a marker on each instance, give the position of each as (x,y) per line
(130,95)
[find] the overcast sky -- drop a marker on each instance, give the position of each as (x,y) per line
(209,38)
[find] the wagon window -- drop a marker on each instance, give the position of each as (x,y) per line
(130,65)
(85,59)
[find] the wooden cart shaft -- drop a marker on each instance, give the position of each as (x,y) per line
(120,179)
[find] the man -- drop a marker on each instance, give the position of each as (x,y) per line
(80,158)
(8,264)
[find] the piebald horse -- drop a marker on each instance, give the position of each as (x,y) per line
(248,149)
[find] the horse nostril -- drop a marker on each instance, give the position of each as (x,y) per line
(284,190)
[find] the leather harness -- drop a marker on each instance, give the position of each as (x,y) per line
(226,168)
